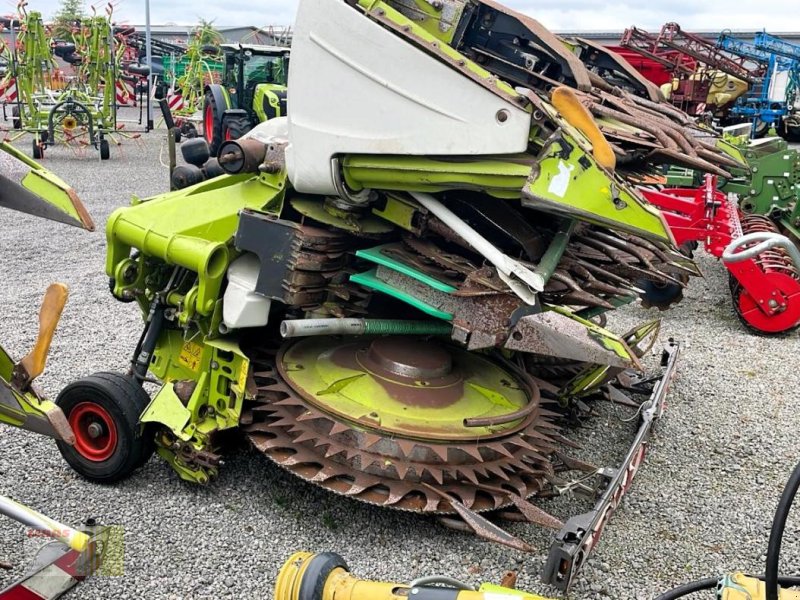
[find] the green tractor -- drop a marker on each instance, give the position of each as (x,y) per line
(253,90)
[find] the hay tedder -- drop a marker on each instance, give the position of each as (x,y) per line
(79,111)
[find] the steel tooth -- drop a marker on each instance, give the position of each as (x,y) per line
(440,451)
(333,450)
(437,474)
(288,421)
(466,495)
(469,474)
(401,468)
(498,471)
(370,439)
(473,451)
(575,464)
(338,428)
(309,416)
(406,447)
(532,514)
(351,453)
(306,436)
(288,401)
(500,449)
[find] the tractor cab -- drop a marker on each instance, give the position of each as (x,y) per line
(253,90)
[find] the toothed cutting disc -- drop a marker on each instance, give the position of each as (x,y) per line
(384,419)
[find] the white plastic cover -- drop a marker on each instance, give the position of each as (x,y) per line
(241,306)
(355,87)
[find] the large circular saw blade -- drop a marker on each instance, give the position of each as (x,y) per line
(389,421)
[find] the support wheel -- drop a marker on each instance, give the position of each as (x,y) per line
(660,295)
(38,149)
(103,411)
(755,320)
(16,121)
(105,150)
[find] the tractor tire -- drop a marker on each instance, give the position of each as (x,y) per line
(105,149)
(235,126)
(16,121)
(195,152)
(38,149)
(214,107)
(103,411)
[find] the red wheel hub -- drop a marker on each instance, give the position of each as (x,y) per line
(95,431)
(208,124)
(787,294)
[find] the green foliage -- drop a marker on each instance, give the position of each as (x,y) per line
(66,17)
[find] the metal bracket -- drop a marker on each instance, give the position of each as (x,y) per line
(576,540)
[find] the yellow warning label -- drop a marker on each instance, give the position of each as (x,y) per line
(190,355)
(243,373)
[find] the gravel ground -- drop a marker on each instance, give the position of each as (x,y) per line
(701,505)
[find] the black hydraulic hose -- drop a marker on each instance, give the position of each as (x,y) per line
(710,583)
(690,588)
(149,341)
(776,534)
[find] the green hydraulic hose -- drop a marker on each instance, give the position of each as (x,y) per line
(312,327)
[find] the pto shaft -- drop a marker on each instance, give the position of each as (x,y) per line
(325,576)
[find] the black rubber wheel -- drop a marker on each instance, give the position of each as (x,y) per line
(186,175)
(235,126)
(189,130)
(38,150)
(103,411)
(195,151)
(213,169)
(16,122)
(660,295)
(105,150)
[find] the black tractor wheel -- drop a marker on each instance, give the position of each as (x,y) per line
(105,149)
(235,126)
(16,122)
(103,411)
(38,148)
(195,151)
(214,107)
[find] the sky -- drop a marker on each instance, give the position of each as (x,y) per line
(559,15)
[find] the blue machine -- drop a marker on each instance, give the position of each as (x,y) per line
(770,99)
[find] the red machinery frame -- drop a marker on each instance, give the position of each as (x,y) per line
(764,264)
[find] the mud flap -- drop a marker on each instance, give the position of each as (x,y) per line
(574,543)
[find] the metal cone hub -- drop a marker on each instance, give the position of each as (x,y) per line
(388,421)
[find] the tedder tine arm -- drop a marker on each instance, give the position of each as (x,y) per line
(52,306)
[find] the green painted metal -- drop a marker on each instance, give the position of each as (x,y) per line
(555,251)
(568,181)
(376,256)
(501,176)
(189,228)
(371,281)
(365,398)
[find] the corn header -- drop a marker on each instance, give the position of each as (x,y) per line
(394,292)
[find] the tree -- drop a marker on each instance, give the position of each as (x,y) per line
(71,12)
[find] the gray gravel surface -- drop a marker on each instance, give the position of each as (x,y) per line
(701,505)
